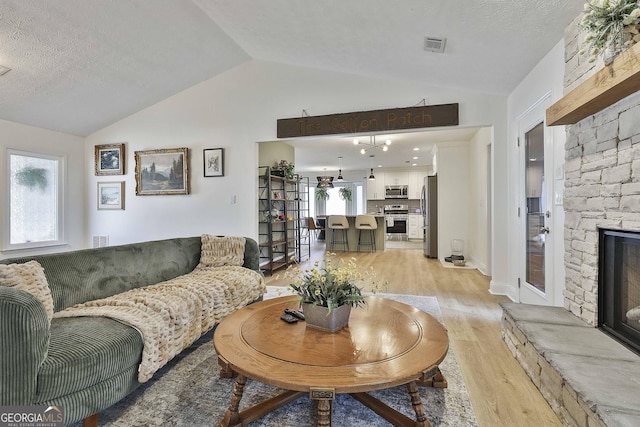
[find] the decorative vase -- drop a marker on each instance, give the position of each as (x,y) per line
(319,317)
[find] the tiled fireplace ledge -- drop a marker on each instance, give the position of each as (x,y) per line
(588,378)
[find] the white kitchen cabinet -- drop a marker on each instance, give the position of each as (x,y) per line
(414,227)
(375,188)
(396,178)
(416,181)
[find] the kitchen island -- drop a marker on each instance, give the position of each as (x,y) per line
(352,235)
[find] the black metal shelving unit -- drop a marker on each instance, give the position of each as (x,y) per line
(280,201)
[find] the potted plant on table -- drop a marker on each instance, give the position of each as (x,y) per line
(329,291)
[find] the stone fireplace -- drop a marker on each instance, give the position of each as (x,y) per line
(582,372)
(602,190)
(602,182)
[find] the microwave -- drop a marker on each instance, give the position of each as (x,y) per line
(396,192)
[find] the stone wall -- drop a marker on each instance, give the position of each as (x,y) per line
(602,181)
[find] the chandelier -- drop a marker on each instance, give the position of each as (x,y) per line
(384,146)
(325,181)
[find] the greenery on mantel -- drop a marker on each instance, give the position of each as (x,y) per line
(612,26)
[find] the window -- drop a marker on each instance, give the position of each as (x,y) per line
(335,204)
(33,208)
(360,199)
(312,201)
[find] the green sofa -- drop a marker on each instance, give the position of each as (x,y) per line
(85,364)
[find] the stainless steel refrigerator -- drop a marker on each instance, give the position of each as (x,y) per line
(429,208)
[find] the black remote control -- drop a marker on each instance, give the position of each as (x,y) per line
(294,313)
(289,318)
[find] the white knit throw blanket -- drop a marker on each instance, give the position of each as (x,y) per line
(171,315)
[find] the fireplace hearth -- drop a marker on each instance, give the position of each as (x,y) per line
(619,286)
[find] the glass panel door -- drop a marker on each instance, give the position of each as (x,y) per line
(536,231)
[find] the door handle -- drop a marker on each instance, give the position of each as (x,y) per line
(544,230)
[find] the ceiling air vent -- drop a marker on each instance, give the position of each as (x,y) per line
(434,44)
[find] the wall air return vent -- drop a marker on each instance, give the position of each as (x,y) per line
(434,44)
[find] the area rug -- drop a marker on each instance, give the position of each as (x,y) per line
(189,392)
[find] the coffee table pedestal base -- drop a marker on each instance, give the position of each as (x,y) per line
(325,396)
(234,418)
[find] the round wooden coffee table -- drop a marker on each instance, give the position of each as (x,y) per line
(386,344)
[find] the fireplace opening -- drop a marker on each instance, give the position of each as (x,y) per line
(619,286)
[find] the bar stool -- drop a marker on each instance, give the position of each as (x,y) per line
(339,222)
(313,227)
(368,223)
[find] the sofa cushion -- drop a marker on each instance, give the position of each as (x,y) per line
(86,351)
(219,251)
(28,277)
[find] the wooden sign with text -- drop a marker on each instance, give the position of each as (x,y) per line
(370,121)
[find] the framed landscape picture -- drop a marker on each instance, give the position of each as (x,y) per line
(162,172)
(109,159)
(111,195)
(213,162)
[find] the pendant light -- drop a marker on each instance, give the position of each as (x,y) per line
(340,178)
(325,182)
(372,177)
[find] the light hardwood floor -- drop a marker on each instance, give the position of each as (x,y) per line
(501,392)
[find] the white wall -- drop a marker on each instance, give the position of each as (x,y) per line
(272,152)
(546,77)
(478,212)
(453,196)
(29,138)
(234,111)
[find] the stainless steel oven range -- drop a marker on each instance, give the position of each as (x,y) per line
(396,218)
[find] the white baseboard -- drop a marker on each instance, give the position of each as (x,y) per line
(481,266)
(497,288)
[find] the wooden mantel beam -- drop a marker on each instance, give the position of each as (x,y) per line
(609,85)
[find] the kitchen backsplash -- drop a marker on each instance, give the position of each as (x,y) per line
(374,206)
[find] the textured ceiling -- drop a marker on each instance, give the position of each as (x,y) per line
(80,65)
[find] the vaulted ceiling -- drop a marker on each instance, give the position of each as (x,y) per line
(80,65)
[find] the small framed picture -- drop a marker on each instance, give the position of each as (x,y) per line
(111,195)
(109,159)
(213,162)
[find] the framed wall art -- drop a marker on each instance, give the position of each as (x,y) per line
(109,159)
(111,195)
(162,172)
(213,162)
